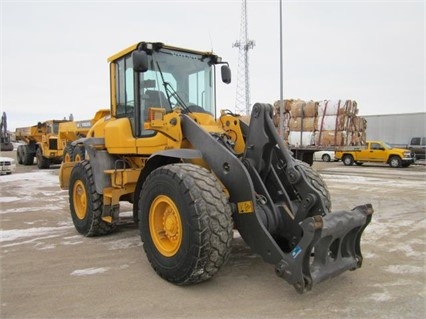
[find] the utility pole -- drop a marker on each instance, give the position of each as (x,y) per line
(281,119)
(242,101)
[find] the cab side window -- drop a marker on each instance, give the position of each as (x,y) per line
(375,146)
(125,88)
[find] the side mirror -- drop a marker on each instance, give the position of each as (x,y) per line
(226,74)
(140,61)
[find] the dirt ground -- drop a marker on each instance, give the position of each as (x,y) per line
(49,271)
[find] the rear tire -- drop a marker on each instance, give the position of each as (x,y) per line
(20,154)
(42,162)
(348,160)
(185,223)
(326,158)
(27,155)
(85,203)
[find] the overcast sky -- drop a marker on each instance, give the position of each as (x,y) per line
(53,53)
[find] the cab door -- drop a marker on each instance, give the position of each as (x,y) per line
(377,152)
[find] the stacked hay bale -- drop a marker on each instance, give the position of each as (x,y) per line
(324,123)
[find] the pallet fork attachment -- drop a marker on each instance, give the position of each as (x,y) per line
(282,205)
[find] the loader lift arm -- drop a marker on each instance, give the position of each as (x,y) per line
(281,206)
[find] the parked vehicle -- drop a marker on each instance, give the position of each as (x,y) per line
(191,177)
(418,147)
(7,165)
(378,152)
(325,156)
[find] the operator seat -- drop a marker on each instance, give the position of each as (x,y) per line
(154,98)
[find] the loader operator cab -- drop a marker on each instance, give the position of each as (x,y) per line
(154,75)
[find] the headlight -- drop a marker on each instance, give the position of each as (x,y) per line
(407,154)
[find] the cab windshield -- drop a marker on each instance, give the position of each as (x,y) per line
(177,79)
(387,146)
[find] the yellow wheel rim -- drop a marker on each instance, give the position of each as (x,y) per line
(77,158)
(165,225)
(80,199)
(67,158)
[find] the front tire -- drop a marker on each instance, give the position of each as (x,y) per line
(395,162)
(42,162)
(316,181)
(78,153)
(67,156)
(185,223)
(85,203)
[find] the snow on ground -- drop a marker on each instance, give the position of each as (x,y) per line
(33,193)
(14,234)
(89,271)
(25,190)
(22,190)
(41,178)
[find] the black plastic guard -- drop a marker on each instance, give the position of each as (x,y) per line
(329,246)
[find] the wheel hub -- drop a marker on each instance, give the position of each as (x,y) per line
(80,200)
(171,226)
(165,225)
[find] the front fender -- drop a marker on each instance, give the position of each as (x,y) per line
(157,160)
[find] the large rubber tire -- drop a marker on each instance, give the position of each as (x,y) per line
(395,161)
(185,223)
(316,181)
(42,162)
(78,153)
(348,160)
(27,155)
(85,203)
(20,154)
(67,155)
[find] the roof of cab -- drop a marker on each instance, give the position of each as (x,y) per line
(165,46)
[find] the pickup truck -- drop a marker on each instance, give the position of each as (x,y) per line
(378,152)
(418,147)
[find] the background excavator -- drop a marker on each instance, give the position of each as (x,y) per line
(192,177)
(5,144)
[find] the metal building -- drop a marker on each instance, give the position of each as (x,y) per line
(396,129)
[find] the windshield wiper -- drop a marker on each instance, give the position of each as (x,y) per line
(171,92)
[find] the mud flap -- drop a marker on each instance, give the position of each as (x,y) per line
(329,246)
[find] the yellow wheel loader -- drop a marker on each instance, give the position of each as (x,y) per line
(71,131)
(193,177)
